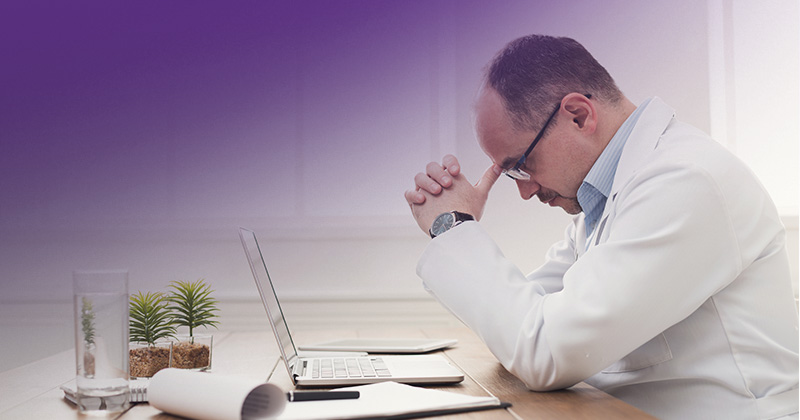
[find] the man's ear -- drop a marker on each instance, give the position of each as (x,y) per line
(582,112)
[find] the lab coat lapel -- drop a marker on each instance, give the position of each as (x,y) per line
(641,142)
(580,236)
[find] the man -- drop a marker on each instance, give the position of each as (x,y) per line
(671,287)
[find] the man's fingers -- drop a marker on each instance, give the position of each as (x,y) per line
(437,176)
(414,197)
(450,163)
(437,173)
(425,183)
(488,179)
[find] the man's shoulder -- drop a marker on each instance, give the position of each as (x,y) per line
(687,163)
(683,147)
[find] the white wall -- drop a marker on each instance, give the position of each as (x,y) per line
(142,141)
(755,90)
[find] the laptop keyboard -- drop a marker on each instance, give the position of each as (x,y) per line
(349,367)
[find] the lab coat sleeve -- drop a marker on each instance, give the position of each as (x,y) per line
(670,247)
(558,260)
(466,271)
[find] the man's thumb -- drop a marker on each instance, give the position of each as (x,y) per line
(488,179)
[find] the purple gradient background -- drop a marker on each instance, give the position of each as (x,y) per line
(124,125)
(117,112)
(140,134)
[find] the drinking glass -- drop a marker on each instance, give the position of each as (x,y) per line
(101,340)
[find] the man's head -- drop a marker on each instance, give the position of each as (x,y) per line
(534,72)
(530,80)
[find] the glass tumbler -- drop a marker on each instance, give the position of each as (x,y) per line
(101,340)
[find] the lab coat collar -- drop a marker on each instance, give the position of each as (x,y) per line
(643,140)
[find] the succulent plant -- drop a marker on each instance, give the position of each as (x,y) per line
(192,305)
(150,318)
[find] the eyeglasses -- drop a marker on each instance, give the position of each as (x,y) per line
(516,172)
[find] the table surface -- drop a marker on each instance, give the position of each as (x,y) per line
(32,391)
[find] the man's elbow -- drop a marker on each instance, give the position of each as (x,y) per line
(543,380)
(546,386)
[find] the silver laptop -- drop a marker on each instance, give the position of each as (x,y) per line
(335,371)
(382,345)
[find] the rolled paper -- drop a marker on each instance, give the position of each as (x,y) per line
(206,396)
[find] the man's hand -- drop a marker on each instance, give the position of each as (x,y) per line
(442,188)
(438,177)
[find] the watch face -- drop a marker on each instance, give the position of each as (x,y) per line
(442,222)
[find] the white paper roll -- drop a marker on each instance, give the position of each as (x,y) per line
(206,396)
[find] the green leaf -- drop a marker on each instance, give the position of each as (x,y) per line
(87,320)
(150,318)
(192,304)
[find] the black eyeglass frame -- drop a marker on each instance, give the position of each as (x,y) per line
(515,172)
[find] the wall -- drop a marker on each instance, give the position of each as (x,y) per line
(755,90)
(141,136)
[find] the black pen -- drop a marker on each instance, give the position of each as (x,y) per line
(321,395)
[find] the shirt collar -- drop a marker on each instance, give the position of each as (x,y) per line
(596,186)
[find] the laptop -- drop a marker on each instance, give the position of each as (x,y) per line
(382,345)
(335,370)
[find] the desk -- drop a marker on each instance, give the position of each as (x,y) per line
(32,391)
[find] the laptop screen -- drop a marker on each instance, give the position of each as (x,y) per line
(268,295)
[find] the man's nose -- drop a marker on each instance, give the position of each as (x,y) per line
(528,188)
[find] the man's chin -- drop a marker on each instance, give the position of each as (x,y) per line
(570,205)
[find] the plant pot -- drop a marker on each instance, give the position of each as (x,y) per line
(146,360)
(192,352)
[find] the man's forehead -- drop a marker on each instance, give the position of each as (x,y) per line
(494,128)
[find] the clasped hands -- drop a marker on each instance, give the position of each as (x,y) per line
(442,188)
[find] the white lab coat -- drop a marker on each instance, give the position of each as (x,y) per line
(680,302)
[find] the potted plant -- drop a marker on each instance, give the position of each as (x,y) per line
(192,306)
(150,328)
(87,326)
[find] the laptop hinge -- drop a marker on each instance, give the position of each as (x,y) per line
(298,367)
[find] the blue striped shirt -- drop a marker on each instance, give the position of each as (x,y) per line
(593,192)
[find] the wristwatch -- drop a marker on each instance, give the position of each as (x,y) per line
(446,221)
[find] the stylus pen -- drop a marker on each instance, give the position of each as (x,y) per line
(322,395)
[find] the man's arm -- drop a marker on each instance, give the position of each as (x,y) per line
(558,260)
(660,263)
